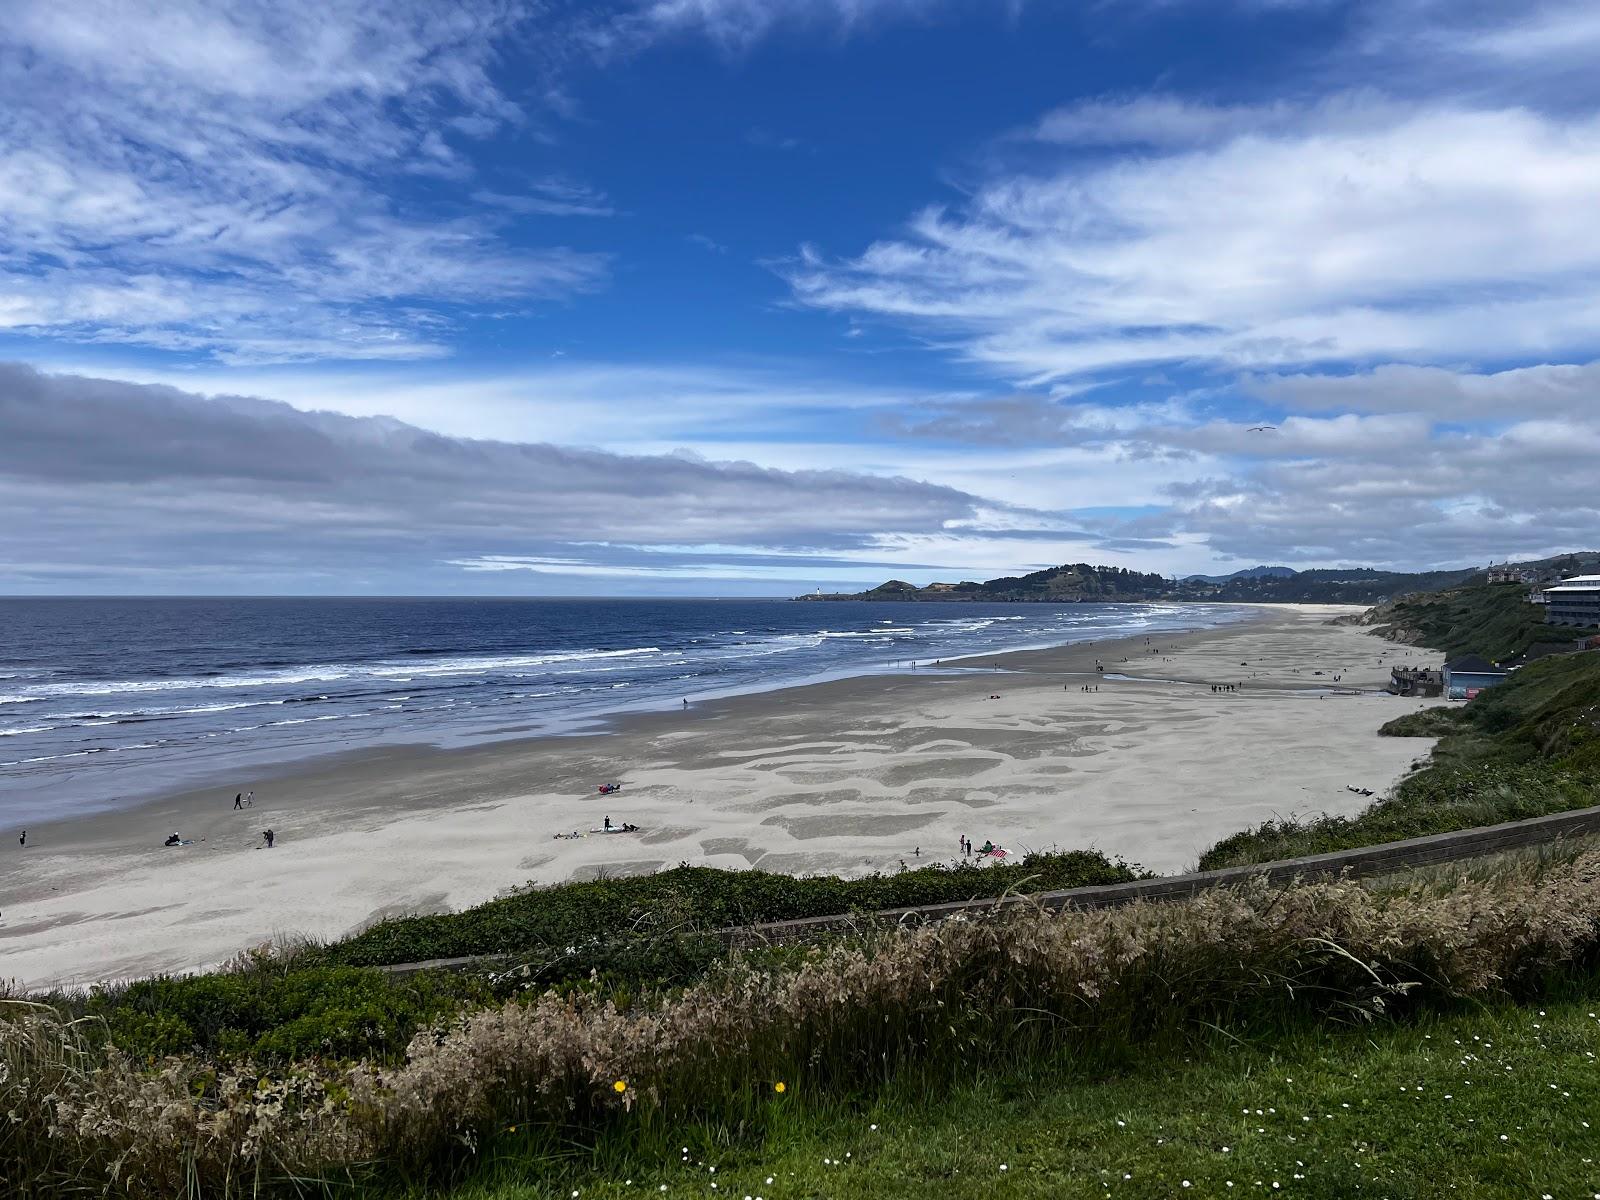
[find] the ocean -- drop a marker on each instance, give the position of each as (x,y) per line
(105,701)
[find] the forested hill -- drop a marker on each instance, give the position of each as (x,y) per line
(1080,582)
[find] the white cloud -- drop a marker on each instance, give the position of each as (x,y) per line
(224,176)
(1360,232)
(650,407)
(1555,389)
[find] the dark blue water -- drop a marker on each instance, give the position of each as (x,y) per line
(105,700)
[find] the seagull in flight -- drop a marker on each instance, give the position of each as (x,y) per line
(1260,428)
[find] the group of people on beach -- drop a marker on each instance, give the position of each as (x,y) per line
(965,842)
(268,836)
(1226,687)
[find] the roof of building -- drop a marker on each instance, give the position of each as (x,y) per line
(1472,664)
(1581,584)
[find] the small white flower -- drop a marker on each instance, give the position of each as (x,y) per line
(1003,1167)
(1185,1183)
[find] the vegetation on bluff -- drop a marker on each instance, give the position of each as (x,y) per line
(624,936)
(1492,620)
(562,918)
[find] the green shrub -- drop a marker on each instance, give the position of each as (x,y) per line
(574,918)
(294,1013)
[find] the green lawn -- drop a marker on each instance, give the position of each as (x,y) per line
(1493,1102)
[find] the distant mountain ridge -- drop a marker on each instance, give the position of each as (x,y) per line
(1247,573)
(1084,583)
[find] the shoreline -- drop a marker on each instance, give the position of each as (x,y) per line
(846,776)
(627,719)
(196,774)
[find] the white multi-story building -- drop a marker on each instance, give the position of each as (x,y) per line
(1574,601)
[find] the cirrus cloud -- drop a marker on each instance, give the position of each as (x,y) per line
(1353,232)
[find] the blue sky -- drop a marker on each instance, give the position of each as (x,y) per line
(719,296)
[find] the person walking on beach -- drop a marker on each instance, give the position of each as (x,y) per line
(249,799)
(23,840)
(686,702)
(238,801)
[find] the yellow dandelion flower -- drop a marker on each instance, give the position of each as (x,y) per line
(780,1087)
(620,1085)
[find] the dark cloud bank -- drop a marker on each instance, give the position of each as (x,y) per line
(104,482)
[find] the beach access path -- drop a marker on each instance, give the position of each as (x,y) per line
(846,777)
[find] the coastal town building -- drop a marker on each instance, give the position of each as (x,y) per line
(1468,675)
(1415,681)
(1574,601)
(1505,573)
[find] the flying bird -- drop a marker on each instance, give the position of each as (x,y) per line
(1260,428)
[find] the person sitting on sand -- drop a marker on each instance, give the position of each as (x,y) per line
(988,847)
(174,840)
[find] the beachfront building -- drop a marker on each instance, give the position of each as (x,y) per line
(1468,675)
(1415,681)
(1574,601)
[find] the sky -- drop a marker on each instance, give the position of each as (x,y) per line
(734,297)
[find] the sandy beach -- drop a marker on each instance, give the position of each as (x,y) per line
(846,777)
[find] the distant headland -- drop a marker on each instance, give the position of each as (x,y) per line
(1082,583)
